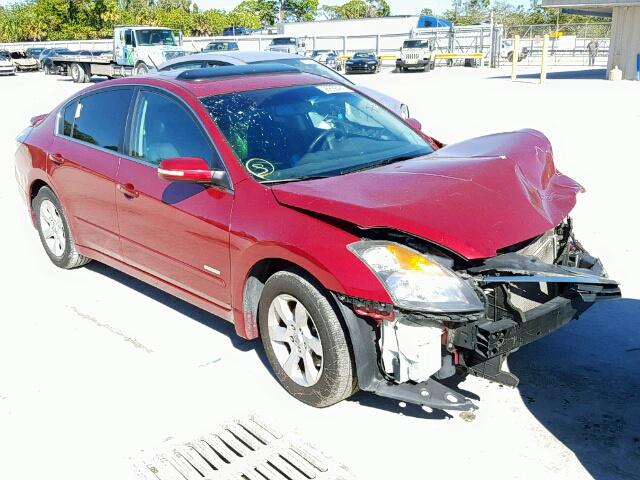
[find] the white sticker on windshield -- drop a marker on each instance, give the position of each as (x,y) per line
(332,88)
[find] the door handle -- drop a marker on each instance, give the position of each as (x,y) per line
(56,158)
(127,190)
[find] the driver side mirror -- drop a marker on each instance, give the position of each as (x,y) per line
(414,123)
(191,170)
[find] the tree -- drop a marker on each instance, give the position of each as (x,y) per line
(426,11)
(265,10)
(378,8)
(209,22)
(243,19)
(299,10)
(358,9)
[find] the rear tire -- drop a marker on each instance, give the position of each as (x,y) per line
(304,340)
(87,75)
(54,231)
(77,73)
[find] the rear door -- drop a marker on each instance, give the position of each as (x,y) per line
(83,162)
(178,232)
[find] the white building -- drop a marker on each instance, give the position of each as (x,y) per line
(401,24)
(625,29)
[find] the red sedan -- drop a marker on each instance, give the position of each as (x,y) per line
(363,252)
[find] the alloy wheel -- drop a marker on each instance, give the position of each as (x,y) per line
(295,340)
(52,228)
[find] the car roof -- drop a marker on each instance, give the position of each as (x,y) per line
(220,84)
(236,57)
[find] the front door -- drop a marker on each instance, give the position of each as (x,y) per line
(178,232)
(83,162)
(124,47)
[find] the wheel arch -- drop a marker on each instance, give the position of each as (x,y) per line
(34,188)
(254,283)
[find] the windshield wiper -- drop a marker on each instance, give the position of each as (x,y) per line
(387,161)
(294,179)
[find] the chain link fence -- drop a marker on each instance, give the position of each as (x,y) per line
(567,42)
(567,45)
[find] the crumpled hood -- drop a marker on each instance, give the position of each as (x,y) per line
(474,197)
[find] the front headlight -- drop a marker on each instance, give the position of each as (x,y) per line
(416,281)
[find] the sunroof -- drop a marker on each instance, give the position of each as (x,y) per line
(235,71)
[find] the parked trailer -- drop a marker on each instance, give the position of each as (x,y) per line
(136,50)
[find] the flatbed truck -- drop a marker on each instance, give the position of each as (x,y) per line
(137,49)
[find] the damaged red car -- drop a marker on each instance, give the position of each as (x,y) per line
(364,253)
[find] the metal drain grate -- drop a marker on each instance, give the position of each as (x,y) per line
(241,450)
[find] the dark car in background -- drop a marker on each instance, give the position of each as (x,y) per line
(47,61)
(221,47)
(34,52)
(362,62)
(47,53)
(235,31)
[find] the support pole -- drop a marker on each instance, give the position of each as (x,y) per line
(514,56)
(543,59)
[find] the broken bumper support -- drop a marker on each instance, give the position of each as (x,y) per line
(430,393)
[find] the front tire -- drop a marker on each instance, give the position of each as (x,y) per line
(54,231)
(304,341)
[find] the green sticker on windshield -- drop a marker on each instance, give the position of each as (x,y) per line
(259,167)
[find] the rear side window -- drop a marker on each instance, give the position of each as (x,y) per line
(98,118)
(67,119)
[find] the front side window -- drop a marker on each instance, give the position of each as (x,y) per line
(155,36)
(216,63)
(98,119)
(128,37)
(162,128)
(184,66)
(292,133)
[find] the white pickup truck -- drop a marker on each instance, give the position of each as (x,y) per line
(136,50)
